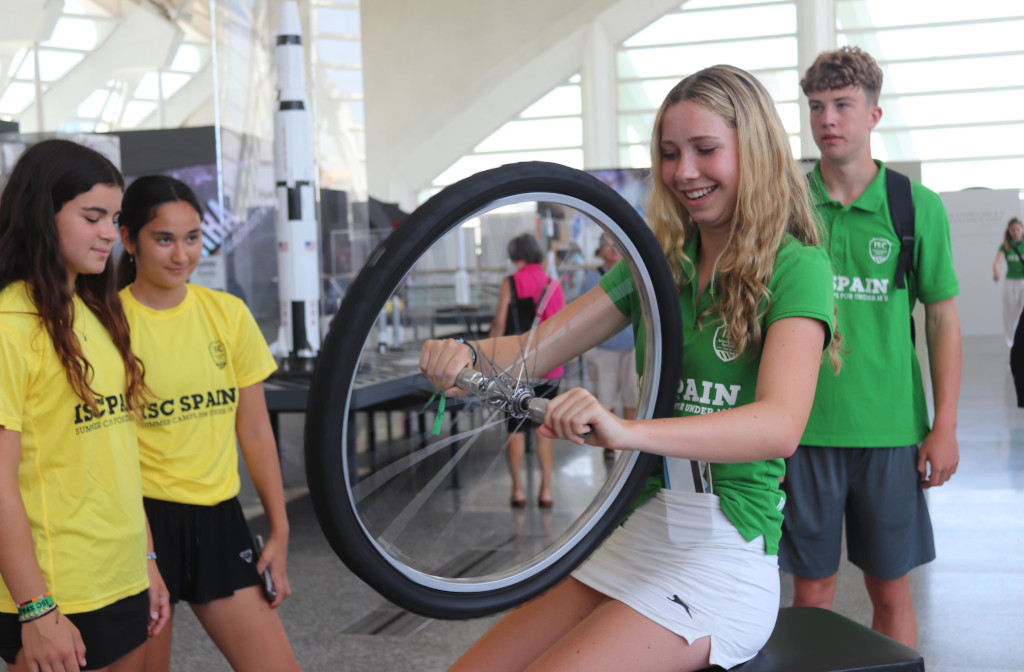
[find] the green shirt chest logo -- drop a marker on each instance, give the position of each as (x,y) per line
(879,249)
(724,348)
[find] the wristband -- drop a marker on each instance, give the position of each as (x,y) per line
(35,608)
(472,350)
(150,556)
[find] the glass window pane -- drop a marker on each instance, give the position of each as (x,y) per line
(147,88)
(345,21)
(562,101)
(190,58)
(956,175)
(347,81)
(73,33)
(17,97)
(723,24)
(55,64)
(172,81)
(952,108)
(682,60)
(135,111)
(646,95)
(881,13)
(93,105)
(953,143)
(935,41)
(635,156)
(636,128)
(955,74)
(348,52)
(540,133)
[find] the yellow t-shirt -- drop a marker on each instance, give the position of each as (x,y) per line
(78,473)
(198,355)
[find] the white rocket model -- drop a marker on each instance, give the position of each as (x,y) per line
(294,166)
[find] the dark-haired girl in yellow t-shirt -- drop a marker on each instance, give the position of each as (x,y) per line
(205,364)
(77,591)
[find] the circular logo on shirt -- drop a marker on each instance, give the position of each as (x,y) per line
(724,348)
(879,249)
(219,354)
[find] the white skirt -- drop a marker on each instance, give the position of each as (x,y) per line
(681,563)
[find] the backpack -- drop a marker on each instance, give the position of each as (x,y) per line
(901,210)
(521,310)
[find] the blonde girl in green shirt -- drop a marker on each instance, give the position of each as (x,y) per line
(691,578)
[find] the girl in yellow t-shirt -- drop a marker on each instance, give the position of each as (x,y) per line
(77,591)
(205,364)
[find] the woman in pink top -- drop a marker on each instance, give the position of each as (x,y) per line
(527,298)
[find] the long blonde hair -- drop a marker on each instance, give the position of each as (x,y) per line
(772,201)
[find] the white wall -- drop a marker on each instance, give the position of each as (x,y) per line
(977,219)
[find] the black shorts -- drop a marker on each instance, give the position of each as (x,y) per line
(546,390)
(108,633)
(204,553)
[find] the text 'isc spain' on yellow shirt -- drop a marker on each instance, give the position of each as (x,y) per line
(198,355)
(79,471)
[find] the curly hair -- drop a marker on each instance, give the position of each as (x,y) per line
(48,175)
(849,66)
(772,202)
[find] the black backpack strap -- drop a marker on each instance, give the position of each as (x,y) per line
(901,210)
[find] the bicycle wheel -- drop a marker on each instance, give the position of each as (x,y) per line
(419,511)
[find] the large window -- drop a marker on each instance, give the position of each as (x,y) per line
(757,36)
(954,86)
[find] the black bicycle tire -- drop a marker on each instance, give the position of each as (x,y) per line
(338,359)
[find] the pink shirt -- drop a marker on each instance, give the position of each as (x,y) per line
(530,282)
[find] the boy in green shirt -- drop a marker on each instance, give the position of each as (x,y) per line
(868,451)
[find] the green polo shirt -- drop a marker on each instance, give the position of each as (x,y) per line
(715,377)
(1014,265)
(877,400)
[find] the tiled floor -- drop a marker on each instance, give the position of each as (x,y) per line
(970,601)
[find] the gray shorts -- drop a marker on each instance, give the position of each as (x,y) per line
(888,530)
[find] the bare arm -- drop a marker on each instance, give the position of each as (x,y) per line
(159,597)
(256,439)
(583,324)
(997,264)
(50,640)
(501,312)
(945,359)
(769,427)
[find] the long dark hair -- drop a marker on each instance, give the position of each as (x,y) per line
(48,175)
(141,200)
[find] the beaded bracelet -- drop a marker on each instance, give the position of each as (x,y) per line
(35,608)
(151,556)
(472,350)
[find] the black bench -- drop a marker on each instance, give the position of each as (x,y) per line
(808,639)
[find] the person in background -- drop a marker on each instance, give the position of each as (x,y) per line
(611,365)
(868,451)
(205,363)
(1011,253)
(78,591)
(690,578)
(528,297)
